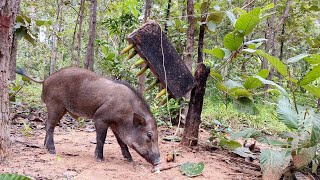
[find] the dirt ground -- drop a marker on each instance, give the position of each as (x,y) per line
(75,160)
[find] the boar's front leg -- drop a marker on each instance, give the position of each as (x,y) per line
(101,130)
(55,113)
(124,148)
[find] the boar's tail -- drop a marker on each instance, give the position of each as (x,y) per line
(22,72)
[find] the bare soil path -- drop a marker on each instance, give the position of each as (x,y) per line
(75,160)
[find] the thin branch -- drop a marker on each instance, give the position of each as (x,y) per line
(284,16)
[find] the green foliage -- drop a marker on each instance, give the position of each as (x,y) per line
(252,83)
(7,176)
(276,63)
(233,40)
(247,21)
(310,76)
(229,144)
(273,163)
(192,169)
(247,133)
(287,114)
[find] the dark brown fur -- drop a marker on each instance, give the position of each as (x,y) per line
(109,103)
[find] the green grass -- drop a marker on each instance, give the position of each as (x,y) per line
(266,120)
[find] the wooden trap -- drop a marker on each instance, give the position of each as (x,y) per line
(152,45)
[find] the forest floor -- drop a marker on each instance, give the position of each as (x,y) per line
(75,144)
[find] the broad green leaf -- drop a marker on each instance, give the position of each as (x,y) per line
(7,176)
(211,26)
(252,83)
(264,73)
(215,75)
(255,41)
(287,114)
(264,81)
(221,87)
(246,22)
(303,157)
(249,50)
(217,52)
(311,122)
(227,53)
(245,105)
(215,17)
(29,38)
(192,169)
(267,7)
(244,152)
(310,76)
(313,59)
(233,40)
(273,163)
(232,84)
(314,90)
(297,58)
(204,6)
(229,144)
(20,19)
(276,63)
(232,17)
(247,133)
(278,143)
(240,92)
(40,22)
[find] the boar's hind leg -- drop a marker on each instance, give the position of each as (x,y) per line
(101,130)
(54,116)
(124,148)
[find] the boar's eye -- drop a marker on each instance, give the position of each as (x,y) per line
(149,134)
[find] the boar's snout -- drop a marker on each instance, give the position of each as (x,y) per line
(155,159)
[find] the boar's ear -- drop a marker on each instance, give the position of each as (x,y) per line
(138,120)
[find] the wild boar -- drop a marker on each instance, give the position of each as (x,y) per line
(111,104)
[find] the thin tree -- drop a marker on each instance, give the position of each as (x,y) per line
(193,120)
(8,13)
(73,40)
(190,42)
(92,36)
(142,78)
(167,16)
(272,34)
(54,48)
(81,15)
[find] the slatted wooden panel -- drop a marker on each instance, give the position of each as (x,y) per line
(147,40)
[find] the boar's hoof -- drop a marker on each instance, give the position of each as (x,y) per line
(129,159)
(99,160)
(52,151)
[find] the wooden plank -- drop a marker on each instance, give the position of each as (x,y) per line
(166,65)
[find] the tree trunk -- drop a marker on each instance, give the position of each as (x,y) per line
(54,49)
(190,38)
(81,13)
(147,10)
(189,46)
(274,31)
(73,40)
(193,120)
(13,58)
(142,77)
(8,13)
(92,36)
